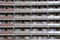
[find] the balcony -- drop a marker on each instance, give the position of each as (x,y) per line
(30,3)
(4,10)
(34,10)
(35,17)
(6,25)
(19,32)
(37,24)
(54,32)
(30,33)
(6,17)
(53,39)
(7,3)
(37,3)
(22,25)
(26,17)
(19,17)
(37,33)
(28,10)
(6,32)
(54,24)
(52,17)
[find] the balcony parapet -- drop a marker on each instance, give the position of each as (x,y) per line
(37,3)
(6,3)
(34,10)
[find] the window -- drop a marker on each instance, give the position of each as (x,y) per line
(11,0)
(34,0)
(51,0)
(18,0)
(6,0)
(1,0)
(44,0)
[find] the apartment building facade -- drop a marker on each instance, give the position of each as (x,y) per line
(29,19)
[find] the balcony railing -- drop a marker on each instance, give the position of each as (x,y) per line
(37,17)
(6,32)
(6,25)
(30,3)
(9,17)
(30,17)
(6,3)
(32,24)
(28,10)
(37,25)
(37,3)
(31,33)
(9,10)
(33,10)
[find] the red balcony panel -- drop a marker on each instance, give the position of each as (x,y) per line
(6,24)
(9,9)
(6,32)
(7,2)
(1,17)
